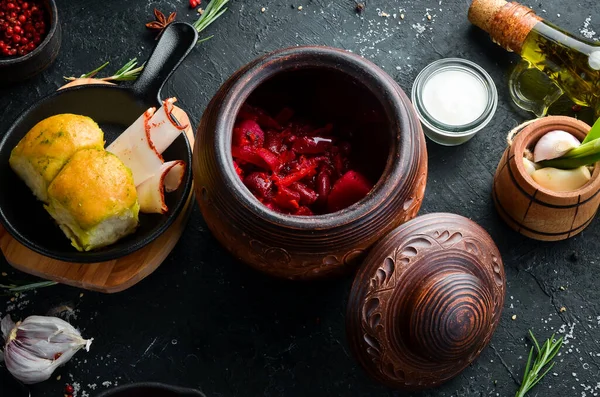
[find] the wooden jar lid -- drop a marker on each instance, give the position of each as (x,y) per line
(426,301)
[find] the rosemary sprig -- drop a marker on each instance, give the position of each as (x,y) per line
(128,72)
(94,72)
(205,39)
(12,288)
(544,356)
(213,10)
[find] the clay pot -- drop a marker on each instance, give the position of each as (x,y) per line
(426,302)
(337,86)
(532,210)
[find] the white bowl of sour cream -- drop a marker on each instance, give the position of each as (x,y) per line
(454,99)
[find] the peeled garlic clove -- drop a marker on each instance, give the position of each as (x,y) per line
(562,180)
(553,145)
(38,345)
(530,166)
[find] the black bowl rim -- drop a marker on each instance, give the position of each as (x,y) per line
(282,62)
(152,385)
(99,256)
(44,43)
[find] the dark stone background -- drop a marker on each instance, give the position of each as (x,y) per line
(204,320)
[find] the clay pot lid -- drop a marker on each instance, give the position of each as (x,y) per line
(426,301)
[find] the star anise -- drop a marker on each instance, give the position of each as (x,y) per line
(161,21)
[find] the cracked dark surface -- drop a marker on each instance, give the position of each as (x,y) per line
(206,321)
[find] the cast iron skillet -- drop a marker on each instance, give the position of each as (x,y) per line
(114,109)
(149,389)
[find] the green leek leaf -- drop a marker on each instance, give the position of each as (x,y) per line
(570,163)
(594,132)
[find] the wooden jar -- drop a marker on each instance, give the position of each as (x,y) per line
(532,210)
(426,301)
(333,85)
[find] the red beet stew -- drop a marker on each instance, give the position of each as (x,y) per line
(293,166)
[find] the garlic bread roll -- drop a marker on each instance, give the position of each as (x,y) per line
(93,199)
(47,147)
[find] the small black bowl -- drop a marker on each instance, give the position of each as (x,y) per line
(148,389)
(114,108)
(16,69)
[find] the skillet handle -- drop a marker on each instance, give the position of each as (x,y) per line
(174,44)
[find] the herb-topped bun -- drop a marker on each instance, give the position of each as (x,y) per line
(93,199)
(47,147)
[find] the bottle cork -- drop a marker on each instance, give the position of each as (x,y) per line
(507,23)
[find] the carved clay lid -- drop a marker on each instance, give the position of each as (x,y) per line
(426,301)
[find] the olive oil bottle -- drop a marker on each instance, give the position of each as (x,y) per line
(572,65)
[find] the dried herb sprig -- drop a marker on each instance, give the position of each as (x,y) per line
(542,363)
(128,72)
(571,61)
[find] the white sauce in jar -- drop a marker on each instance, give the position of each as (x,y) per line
(454,97)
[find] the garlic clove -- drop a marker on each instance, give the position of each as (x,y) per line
(562,180)
(530,166)
(37,346)
(553,145)
(6,325)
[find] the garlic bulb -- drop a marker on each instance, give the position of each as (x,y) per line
(562,180)
(553,145)
(38,345)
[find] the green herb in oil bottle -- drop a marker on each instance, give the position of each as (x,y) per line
(573,64)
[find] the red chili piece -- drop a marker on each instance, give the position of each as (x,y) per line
(69,389)
(23,26)
(195,3)
(293,166)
